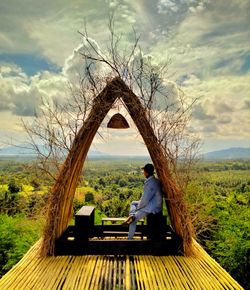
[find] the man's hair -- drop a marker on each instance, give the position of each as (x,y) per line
(149,168)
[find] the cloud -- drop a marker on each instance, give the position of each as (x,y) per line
(120,142)
(6,42)
(246,105)
(25,102)
(210,128)
(21,94)
(224,120)
(223,107)
(188,80)
(74,68)
(17,97)
(166,6)
(200,114)
(12,81)
(48,28)
(222,110)
(208,43)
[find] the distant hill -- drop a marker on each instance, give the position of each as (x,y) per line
(21,149)
(230,153)
(26,150)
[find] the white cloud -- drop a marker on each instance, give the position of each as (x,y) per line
(74,68)
(11,129)
(164,6)
(222,111)
(209,42)
(48,27)
(21,94)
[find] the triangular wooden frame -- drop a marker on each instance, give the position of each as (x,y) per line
(61,201)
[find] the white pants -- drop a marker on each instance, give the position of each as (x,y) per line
(138,214)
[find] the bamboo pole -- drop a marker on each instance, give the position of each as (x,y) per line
(62,194)
(174,196)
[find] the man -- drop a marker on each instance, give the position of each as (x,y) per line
(150,202)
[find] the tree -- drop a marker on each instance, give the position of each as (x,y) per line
(13,187)
(89,197)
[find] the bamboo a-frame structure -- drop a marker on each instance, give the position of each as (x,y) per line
(61,200)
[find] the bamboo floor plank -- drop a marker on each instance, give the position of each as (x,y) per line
(127,274)
(107,268)
(117,272)
(114,274)
(110,273)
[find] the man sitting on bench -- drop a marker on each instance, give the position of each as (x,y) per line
(150,202)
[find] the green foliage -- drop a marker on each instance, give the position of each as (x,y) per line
(17,235)
(35,183)
(10,203)
(31,205)
(218,198)
(77,205)
(230,244)
(13,187)
(98,216)
(219,203)
(35,205)
(89,197)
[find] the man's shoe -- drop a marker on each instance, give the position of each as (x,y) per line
(129,220)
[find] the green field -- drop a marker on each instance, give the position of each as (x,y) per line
(218,198)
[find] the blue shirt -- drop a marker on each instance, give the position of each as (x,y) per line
(151,200)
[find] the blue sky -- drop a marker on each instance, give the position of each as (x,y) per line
(31,64)
(207,42)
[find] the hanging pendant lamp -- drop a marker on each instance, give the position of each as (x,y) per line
(118,122)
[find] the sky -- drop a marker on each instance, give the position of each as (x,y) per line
(207,41)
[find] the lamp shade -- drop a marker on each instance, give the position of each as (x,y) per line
(118,122)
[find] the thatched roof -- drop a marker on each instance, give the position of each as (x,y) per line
(123,272)
(60,207)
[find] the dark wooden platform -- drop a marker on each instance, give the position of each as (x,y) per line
(86,238)
(71,243)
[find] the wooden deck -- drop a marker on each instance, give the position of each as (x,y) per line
(117,272)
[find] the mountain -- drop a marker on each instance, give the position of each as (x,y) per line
(230,153)
(21,149)
(95,153)
(26,150)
